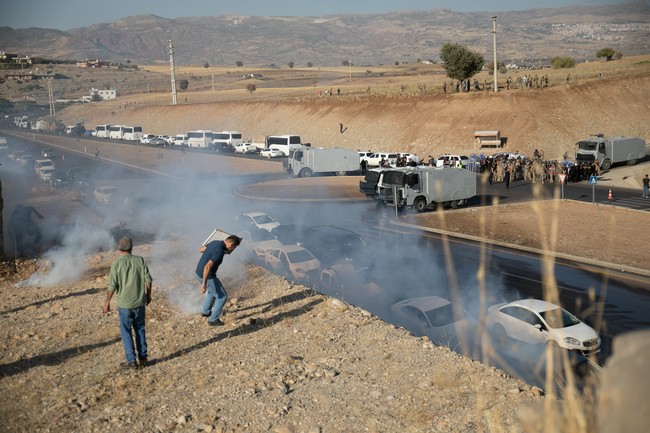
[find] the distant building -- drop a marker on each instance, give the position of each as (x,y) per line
(105,94)
(93,64)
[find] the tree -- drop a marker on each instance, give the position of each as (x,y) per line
(239,63)
(183,84)
(291,64)
(560,62)
(95,97)
(345,63)
(310,64)
(460,62)
(251,87)
(607,53)
(206,65)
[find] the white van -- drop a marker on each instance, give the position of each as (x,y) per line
(180,140)
(3,144)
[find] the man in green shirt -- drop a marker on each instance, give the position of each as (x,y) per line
(130,279)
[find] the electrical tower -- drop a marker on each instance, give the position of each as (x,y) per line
(50,94)
(173,72)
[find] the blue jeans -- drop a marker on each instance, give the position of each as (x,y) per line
(133,318)
(215,299)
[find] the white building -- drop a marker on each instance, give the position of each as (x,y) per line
(105,94)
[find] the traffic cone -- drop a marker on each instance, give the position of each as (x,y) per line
(609,197)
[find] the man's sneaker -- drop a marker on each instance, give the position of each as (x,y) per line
(206,315)
(217,323)
(128,365)
(142,362)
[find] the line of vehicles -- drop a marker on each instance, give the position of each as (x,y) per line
(338,262)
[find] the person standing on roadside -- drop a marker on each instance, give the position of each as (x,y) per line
(646,186)
(129,277)
(206,272)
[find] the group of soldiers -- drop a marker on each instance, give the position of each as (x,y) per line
(535,169)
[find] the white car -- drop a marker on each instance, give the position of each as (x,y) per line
(271,153)
(259,220)
(293,262)
(259,242)
(434,317)
(145,138)
(45,173)
(452,161)
(245,148)
(104,194)
(535,321)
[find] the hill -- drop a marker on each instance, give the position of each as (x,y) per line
(550,119)
(532,36)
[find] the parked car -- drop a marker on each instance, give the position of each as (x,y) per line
(271,153)
(82,183)
(294,262)
(73,171)
(26,160)
(259,242)
(104,194)
(222,147)
(365,155)
(146,138)
(353,285)
(156,141)
(59,179)
(49,153)
(335,244)
(289,233)
(259,220)
(45,173)
(434,317)
(535,321)
(452,161)
(245,148)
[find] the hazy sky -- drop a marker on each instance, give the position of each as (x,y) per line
(67,14)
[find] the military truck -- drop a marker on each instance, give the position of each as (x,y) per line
(425,187)
(608,151)
(370,182)
(306,160)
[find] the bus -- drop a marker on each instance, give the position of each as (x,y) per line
(200,138)
(132,133)
(225,139)
(102,131)
(116,132)
(283,143)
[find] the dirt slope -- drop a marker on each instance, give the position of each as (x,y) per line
(551,119)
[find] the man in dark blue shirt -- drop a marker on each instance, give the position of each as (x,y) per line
(206,271)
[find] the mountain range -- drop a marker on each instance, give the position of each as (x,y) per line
(533,35)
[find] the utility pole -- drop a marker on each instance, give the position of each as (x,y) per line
(213,82)
(173,72)
(496,68)
(350,64)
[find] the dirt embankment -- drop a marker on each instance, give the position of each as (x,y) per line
(551,119)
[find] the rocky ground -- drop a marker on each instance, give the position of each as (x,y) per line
(288,360)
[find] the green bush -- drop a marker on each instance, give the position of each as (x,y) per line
(560,62)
